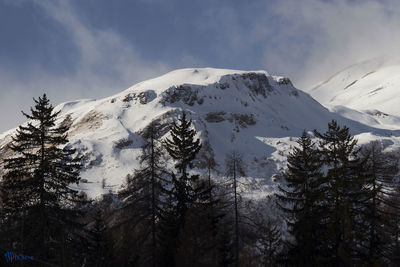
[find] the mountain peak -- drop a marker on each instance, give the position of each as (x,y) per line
(249,111)
(199,76)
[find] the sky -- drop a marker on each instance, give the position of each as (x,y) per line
(74,49)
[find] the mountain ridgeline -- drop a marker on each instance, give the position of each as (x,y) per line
(202,167)
(252,112)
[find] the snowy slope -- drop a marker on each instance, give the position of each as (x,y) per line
(372,86)
(249,111)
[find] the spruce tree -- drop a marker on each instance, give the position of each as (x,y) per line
(37,198)
(183,148)
(342,195)
(300,200)
(185,191)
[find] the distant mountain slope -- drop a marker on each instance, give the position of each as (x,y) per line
(249,111)
(372,85)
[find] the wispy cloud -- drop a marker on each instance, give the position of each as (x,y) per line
(320,37)
(305,40)
(107,64)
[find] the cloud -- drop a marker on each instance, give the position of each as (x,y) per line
(317,38)
(107,64)
(104,55)
(306,40)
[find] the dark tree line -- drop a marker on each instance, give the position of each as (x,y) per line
(339,202)
(163,215)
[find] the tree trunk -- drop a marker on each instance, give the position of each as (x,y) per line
(236,216)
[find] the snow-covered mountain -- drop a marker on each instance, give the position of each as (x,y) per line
(251,112)
(368,91)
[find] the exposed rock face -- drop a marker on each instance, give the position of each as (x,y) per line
(284,81)
(142,98)
(123,143)
(67,122)
(242,120)
(258,83)
(188,95)
(215,116)
(90,122)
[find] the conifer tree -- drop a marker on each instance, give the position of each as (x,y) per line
(37,198)
(184,191)
(99,245)
(143,195)
(270,239)
(342,195)
(379,172)
(301,201)
(183,148)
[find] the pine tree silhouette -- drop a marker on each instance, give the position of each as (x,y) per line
(37,197)
(301,201)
